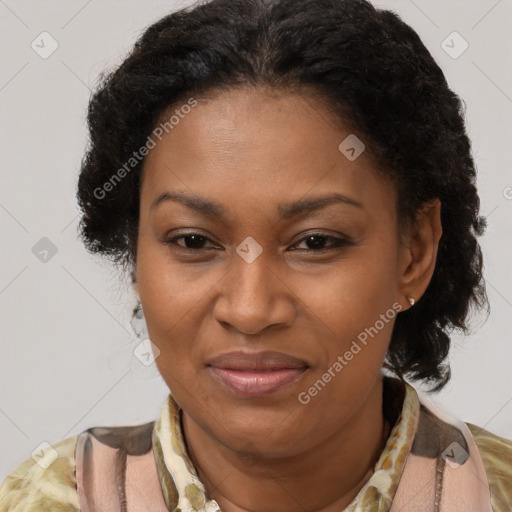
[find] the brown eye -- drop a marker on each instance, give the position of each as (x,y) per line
(193,241)
(317,242)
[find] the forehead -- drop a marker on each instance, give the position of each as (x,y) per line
(255,148)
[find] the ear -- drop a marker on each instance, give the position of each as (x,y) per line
(418,252)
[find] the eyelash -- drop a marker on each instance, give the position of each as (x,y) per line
(337,242)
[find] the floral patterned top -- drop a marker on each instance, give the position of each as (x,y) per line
(78,472)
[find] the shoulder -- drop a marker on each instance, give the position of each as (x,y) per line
(496,453)
(45,481)
(48,481)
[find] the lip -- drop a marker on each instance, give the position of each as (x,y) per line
(252,375)
(250,384)
(256,361)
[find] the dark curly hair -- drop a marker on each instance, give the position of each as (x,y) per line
(372,69)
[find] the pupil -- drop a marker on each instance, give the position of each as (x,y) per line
(319,244)
(199,240)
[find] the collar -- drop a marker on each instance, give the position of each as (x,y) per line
(183,491)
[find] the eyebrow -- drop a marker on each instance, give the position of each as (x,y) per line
(286,210)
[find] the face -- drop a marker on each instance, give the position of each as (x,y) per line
(267,266)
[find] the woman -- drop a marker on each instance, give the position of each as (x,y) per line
(291,187)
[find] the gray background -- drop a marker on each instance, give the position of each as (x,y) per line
(66,361)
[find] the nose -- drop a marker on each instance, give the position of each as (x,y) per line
(253,297)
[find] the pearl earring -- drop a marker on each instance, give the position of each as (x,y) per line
(411,301)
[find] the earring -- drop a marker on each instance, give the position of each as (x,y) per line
(138,322)
(411,301)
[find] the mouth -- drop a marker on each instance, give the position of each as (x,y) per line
(252,375)
(250,384)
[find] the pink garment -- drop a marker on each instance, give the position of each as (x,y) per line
(123,469)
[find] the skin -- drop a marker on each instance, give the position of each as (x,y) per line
(251,149)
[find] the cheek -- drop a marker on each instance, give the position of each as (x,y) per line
(354,292)
(170,299)
(353,306)
(169,290)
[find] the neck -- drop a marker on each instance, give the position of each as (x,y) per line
(326,478)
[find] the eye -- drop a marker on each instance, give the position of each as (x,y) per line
(317,242)
(193,241)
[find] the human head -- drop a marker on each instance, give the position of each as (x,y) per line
(371,70)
